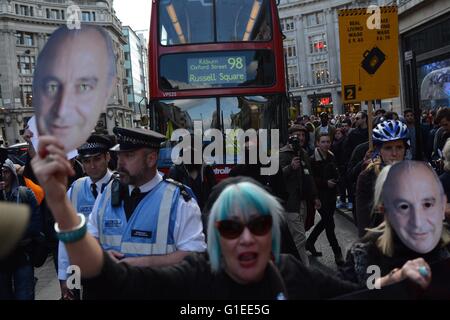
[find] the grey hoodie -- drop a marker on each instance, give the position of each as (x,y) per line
(15,184)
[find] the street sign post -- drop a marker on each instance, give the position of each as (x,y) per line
(369,54)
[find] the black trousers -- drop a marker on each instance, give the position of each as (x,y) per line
(326,223)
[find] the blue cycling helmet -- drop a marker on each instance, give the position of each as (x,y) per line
(389,130)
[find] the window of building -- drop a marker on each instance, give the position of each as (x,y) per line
(87,16)
(25,64)
(24,38)
(24,10)
(290,49)
(317,43)
(26,95)
(46,37)
(287,24)
(127,56)
(55,14)
(315,19)
(293,77)
(320,73)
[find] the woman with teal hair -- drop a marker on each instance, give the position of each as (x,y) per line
(244,205)
(243,260)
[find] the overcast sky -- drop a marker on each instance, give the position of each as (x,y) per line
(134,13)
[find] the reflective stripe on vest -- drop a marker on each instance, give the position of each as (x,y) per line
(146,249)
(106,200)
(113,241)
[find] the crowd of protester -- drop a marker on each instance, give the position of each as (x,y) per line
(245,225)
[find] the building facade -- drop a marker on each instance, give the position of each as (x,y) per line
(312,53)
(425,29)
(25,27)
(144,47)
(135,65)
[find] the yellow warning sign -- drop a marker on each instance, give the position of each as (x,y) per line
(369,53)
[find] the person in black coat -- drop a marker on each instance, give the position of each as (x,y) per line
(326,176)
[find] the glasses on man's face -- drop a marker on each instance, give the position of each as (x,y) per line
(231,229)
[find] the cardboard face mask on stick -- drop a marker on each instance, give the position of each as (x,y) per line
(74,77)
(415,212)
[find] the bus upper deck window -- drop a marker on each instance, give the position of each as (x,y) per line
(184,22)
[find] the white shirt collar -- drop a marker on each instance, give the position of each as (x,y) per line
(149,185)
(103,180)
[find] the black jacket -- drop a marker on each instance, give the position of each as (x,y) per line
(274,183)
(365,253)
(201,186)
(193,279)
(354,138)
(325,169)
(299,183)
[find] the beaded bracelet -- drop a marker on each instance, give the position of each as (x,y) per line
(74,234)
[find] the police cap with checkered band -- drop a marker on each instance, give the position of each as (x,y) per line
(129,139)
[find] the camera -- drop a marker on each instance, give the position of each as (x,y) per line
(294,141)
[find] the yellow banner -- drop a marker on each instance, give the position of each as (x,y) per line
(369,53)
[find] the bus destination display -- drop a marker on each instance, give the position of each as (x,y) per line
(217,70)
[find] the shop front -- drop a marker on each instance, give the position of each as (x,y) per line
(431,44)
(321,103)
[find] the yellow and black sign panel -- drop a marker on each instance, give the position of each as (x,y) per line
(369,53)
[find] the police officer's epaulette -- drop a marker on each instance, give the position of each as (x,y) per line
(183,191)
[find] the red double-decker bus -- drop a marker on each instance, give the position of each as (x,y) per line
(220,62)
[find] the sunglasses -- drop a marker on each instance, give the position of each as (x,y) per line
(231,229)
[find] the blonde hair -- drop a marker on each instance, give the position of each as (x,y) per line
(446,152)
(385,241)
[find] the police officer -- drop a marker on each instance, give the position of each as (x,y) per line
(143,219)
(94,156)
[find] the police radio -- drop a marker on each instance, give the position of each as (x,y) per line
(116,198)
